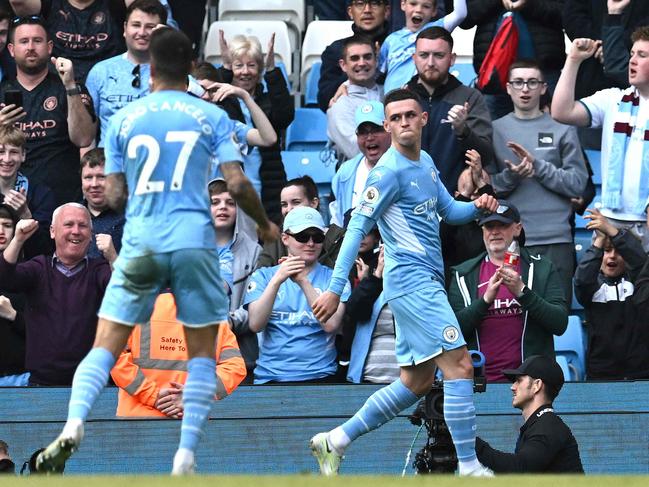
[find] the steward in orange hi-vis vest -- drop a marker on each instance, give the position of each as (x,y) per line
(156,357)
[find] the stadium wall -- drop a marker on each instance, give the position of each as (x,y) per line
(265,429)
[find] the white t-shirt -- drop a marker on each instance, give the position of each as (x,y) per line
(359,183)
(603,108)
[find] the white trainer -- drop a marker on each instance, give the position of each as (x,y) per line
(479,471)
(183,462)
(328,458)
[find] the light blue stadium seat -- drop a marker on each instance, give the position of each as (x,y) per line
(565,368)
(583,239)
(595,159)
(320,166)
(575,307)
(571,346)
(464,72)
(311,89)
(308,131)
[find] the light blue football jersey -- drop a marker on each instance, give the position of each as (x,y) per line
(294,346)
(165,144)
(406,199)
(395,57)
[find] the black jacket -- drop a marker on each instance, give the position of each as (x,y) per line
(618,339)
(440,140)
(543,19)
(331,76)
(12,339)
(545,445)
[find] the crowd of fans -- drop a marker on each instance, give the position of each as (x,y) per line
(68,65)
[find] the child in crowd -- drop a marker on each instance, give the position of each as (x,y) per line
(395,58)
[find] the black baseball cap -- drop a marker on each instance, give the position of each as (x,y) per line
(506,213)
(539,367)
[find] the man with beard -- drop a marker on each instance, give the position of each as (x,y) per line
(84,31)
(459,118)
(56,115)
(358,62)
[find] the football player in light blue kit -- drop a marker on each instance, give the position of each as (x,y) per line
(159,149)
(396,55)
(404,196)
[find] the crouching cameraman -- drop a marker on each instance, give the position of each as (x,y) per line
(545,443)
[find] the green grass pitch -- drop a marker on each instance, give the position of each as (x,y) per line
(315,481)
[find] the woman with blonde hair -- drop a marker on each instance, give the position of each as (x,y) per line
(243,66)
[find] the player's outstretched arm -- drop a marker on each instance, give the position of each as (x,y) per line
(116,191)
(246,197)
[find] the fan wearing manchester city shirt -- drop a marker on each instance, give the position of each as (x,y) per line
(296,347)
(115,82)
(159,149)
(405,197)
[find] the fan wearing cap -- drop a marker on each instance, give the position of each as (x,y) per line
(358,62)
(296,347)
(349,181)
(545,444)
(508,313)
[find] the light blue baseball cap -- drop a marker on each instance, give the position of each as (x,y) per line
(371,111)
(301,218)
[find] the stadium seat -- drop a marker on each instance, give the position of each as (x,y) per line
(575,307)
(463,45)
(464,72)
(595,159)
(580,221)
(565,368)
(571,346)
(308,131)
(583,239)
(311,88)
(320,166)
(292,12)
(319,34)
(262,29)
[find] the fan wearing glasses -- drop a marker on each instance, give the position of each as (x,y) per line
(117,81)
(296,347)
(539,167)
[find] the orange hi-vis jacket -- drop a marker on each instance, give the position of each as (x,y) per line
(156,355)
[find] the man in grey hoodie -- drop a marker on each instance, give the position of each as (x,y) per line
(539,167)
(238,254)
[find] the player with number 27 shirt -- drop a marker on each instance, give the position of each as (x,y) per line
(159,151)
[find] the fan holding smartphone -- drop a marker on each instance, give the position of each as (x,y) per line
(12,107)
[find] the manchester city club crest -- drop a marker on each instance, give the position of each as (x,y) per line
(451,334)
